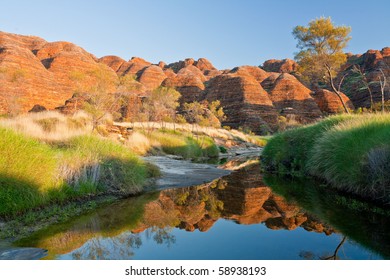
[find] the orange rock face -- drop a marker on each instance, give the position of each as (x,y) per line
(281,66)
(204,65)
(36,72)
(245,102)
(370,63)
(24,81)
(152,77)
(75,69)
(114,62)
(329,102)
(254,71)
(189,81)
(291,97)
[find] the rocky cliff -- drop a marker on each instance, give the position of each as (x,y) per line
(36,72)
(370,64)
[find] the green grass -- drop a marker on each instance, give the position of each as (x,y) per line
(184,144)
(287,153)
(34,174)
(350,152)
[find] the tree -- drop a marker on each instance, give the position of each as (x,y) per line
(362,78)
(321,55)
(161,104)
(101,104)
(382,82)
(204,113)
(96,89)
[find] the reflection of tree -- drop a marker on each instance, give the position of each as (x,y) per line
(120,247)
(162,235)
(195,196)
(334,256)
(308,255)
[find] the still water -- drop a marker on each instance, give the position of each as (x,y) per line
(240,216)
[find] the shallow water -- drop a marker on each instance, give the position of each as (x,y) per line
(236,217)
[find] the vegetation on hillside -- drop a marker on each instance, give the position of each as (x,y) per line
(350,152)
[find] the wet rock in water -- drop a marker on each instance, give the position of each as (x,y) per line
(183,173)
(22,254)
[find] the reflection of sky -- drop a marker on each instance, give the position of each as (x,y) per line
(225,240)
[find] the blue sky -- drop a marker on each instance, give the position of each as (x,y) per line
(227,32)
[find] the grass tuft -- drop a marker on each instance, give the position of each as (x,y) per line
(350,152)
(34,174)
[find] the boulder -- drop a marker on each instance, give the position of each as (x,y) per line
(133,66)
(189,82)
(371,59)
(73,104)
(385,52)
(246,104)
(177,66)
(281,66)
(37,108)
(204,65)
(24,81)
(254,71)
(370,63)
(292,99)
(162,64)
(75,69)
(329,102)
(112,61)
(152,77)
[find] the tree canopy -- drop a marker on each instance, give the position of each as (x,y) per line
(321,45)
(161,104)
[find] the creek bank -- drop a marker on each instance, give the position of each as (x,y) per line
(350,153)
(175,173)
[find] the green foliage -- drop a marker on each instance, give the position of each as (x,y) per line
(287,152)
(161,103)
(349,152)
(184,144)
(222,149)
(33,174)
(204,113)
(128,83)
(321,44)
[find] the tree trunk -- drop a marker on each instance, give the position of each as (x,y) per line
(383,85)
(335,90)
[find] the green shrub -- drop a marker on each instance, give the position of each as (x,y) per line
(350,152)
(354,156)
(287,153)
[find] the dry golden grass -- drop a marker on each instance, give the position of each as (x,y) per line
(50,125)
(139,143)
(219,133)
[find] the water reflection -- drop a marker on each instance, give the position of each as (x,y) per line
(234,217)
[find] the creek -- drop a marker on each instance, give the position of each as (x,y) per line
(241,215)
